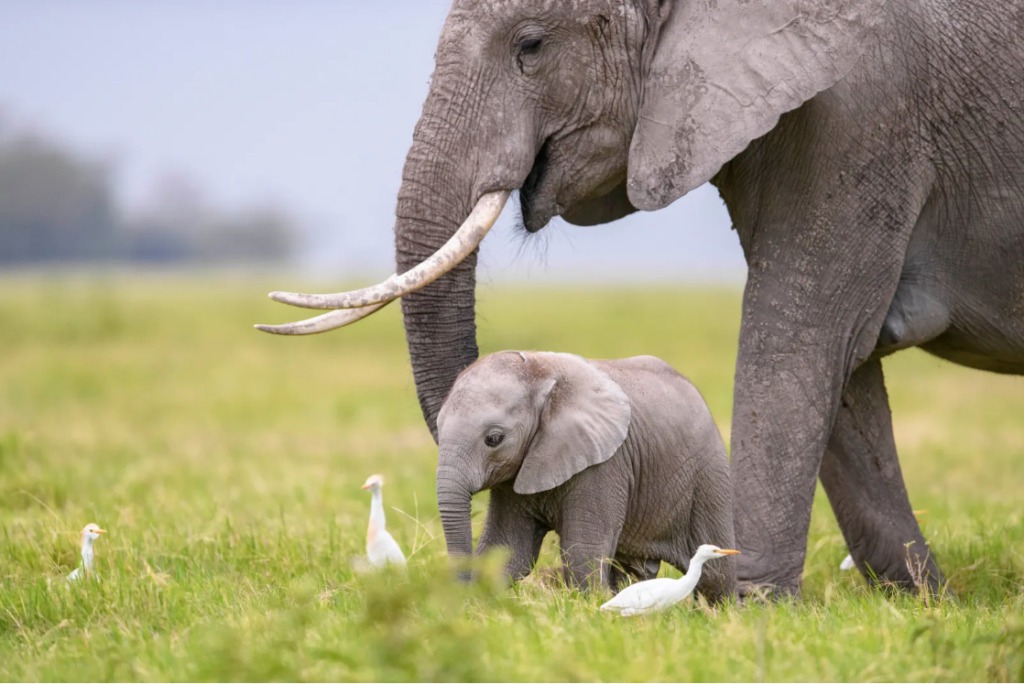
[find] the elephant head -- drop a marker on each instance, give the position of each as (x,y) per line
(535,419)
(591,109)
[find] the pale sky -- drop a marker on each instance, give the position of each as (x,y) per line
(308,104)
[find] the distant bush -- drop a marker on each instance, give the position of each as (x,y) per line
(53,206)
(179,224)
(58,206)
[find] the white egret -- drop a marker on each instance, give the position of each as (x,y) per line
(381,548)
(90,533)
(658,594)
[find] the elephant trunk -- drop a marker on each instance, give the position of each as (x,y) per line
(440,319)
(441,184)
(453,502)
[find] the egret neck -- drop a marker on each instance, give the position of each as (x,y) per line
(688,582)
(377,522)
(87,552)
(90,533)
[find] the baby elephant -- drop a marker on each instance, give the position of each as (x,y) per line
(621,458)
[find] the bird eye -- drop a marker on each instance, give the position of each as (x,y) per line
(493,439)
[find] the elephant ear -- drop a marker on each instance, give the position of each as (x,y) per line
(584,419)
(722,74)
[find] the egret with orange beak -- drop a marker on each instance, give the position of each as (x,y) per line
(381,548)
(658,594)
(90,533)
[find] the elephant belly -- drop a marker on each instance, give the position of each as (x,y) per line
(961,293)
(992,353)
(668,543)
(986,305)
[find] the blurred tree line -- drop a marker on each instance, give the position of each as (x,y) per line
(59,206)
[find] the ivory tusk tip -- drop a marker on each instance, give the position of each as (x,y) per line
(274,329)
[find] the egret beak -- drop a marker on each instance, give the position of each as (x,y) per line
(366,486)
(99,531)
(727,552)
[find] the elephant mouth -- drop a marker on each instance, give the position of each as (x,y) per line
(562,184)
(536,198)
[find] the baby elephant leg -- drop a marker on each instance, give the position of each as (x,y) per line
(511,526)
(710,522)
(586,562)
(592,520)
(636,569)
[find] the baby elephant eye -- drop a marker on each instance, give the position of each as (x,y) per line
(493,439)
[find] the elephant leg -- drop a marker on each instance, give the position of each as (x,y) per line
(593,513)
(510,525)
(861,475)
(710,521)
(785,404)
(822,276)
(586,560)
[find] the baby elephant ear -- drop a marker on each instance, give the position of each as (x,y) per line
(584,419)
(721,75)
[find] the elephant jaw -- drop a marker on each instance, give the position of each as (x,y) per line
(583,196)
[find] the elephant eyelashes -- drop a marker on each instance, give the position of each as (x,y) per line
(493,439)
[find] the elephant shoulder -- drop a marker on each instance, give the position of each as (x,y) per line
(647,368)
(662,393)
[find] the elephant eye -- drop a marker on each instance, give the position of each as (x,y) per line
(529,46)
(493,439)
(526,52)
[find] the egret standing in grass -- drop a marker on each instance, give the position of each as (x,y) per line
(381,548)
(90,533)
(658,594)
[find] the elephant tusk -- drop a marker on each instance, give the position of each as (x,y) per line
(322,323)
(458,247)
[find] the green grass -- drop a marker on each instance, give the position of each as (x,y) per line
(226,465)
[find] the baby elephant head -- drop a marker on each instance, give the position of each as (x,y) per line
(537,418)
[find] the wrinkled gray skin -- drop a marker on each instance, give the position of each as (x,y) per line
(870,153)
(621,458)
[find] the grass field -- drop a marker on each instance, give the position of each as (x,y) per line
(226,466)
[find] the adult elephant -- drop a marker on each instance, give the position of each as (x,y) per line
(870,153)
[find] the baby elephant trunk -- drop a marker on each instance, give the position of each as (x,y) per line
(453,501)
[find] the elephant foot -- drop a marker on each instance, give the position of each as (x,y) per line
(768,576)
(906,567)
